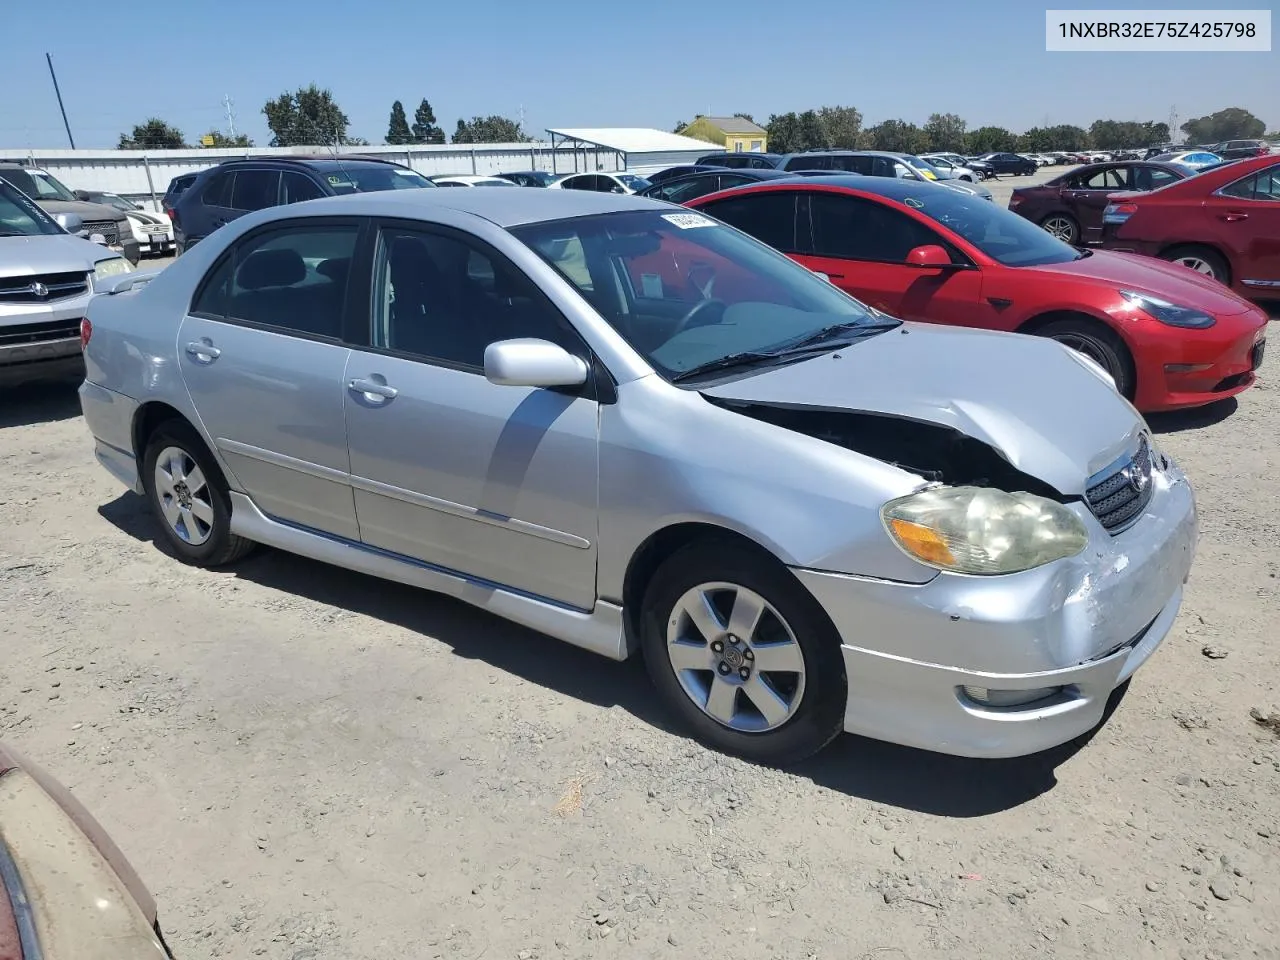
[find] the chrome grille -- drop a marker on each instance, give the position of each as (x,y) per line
(43,287)
(1120,496)
(109,229)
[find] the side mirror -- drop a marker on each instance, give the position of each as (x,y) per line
(820,275)
(69,222)
(532,363)
(929,257)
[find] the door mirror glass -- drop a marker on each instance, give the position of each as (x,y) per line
(928,256)
(532,363)
(69,222)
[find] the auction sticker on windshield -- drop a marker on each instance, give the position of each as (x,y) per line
(687,221)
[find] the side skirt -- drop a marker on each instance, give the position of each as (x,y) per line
(600,630)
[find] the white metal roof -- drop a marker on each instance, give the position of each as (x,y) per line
(632,139)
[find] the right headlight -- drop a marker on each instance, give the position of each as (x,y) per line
(981,531)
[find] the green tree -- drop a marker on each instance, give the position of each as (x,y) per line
(784,132)
(841,127)
(812,134)
(424,125)
(990,140)
(945,132)
(155,134)
(221,141)
(309,117)
(490,129)
(398,132)
(679,126)
(898,136)
(1233,123)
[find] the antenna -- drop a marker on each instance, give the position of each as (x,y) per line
(229,106)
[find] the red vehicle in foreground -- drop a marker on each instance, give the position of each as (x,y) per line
(1224,222)
(919,251)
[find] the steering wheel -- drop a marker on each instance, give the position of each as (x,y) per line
(701,306)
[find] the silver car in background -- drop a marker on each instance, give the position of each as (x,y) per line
(640,430)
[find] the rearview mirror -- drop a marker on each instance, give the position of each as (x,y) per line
(929,256)
(69,222)
(532,363)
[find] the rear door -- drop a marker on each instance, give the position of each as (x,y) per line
(862,245)
(1245,215)
(1088,198)
(262,352)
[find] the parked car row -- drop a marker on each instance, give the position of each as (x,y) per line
(98,222)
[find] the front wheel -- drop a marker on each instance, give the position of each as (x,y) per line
(743,654)
(1100,344)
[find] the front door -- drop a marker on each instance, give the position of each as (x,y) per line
(1244,217)
(262,356)
(498,483)
(862,246)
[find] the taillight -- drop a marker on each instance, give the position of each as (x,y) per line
(1117,213)
(86,331)
(173,215)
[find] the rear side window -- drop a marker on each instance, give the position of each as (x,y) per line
(769,217)
(217,192)
(850,228)
(292,279)
(255,189)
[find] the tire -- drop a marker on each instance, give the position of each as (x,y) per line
(804,708)
(189,497)
(1203,260)
(1098,342)
(1063,226)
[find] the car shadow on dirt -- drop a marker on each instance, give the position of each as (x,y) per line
(873,770)
(1177,421)
(39,403)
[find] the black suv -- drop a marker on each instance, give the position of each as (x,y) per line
(236,187)
(741,160)
(1240,149)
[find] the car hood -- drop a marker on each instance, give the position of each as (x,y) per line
(1166,281)
(54,253)
(1030,399)
(82,209)
(146,216)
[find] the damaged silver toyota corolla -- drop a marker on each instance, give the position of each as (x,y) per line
(637,429)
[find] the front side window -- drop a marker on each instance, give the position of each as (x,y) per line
(769,217)
(1002,235)
(437,297)
(686,291)
(686,189)
(255,189)
(852,228)
(298,187)
(292,279)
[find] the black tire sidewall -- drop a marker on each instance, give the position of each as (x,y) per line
(175,434)
(1221,272)
(1105,338)
(821,714)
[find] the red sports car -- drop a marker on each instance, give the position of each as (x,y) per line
(920,251)
(1224,223)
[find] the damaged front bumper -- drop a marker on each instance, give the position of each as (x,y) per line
(928,665)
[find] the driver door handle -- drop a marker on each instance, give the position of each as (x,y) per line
(372,389)
(1231,216)
(203,351)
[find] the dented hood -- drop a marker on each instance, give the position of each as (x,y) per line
(1030,399)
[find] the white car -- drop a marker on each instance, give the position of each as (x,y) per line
(949,169)
(619,182)
(468,180)
(153,231)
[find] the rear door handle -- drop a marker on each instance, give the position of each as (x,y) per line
(202,351)
(1231,216)
(372,390)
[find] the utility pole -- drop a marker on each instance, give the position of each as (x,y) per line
(49,59)
(229,106)
(1173,123)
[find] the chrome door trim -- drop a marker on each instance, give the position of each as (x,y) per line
(513,524)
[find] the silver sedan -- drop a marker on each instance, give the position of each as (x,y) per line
(641,431)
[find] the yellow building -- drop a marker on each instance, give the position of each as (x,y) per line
(735,134)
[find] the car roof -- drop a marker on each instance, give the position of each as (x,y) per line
(318,162)
(889,187)
(506,208)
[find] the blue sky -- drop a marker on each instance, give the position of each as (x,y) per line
(573,63)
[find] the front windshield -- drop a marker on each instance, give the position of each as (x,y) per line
(19,217)
(49,187)
(1000,234)
(632,182)
(370,179)
(120,203)
(685,290)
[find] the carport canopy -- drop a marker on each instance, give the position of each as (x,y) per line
(624,141)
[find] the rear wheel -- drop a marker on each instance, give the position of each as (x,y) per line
(743,654)
(1200,259)
(189,497)
(1063,226)
(1100,344)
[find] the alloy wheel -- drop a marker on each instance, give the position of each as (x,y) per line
(1197,264)
(184,495)
(1061,228)
(735,657)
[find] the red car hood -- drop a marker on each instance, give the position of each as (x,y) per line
(1165,281)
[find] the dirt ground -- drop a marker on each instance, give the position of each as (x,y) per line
(306,763)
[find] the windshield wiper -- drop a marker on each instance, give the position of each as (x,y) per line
(850,331)
(741,359)
(819,341)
